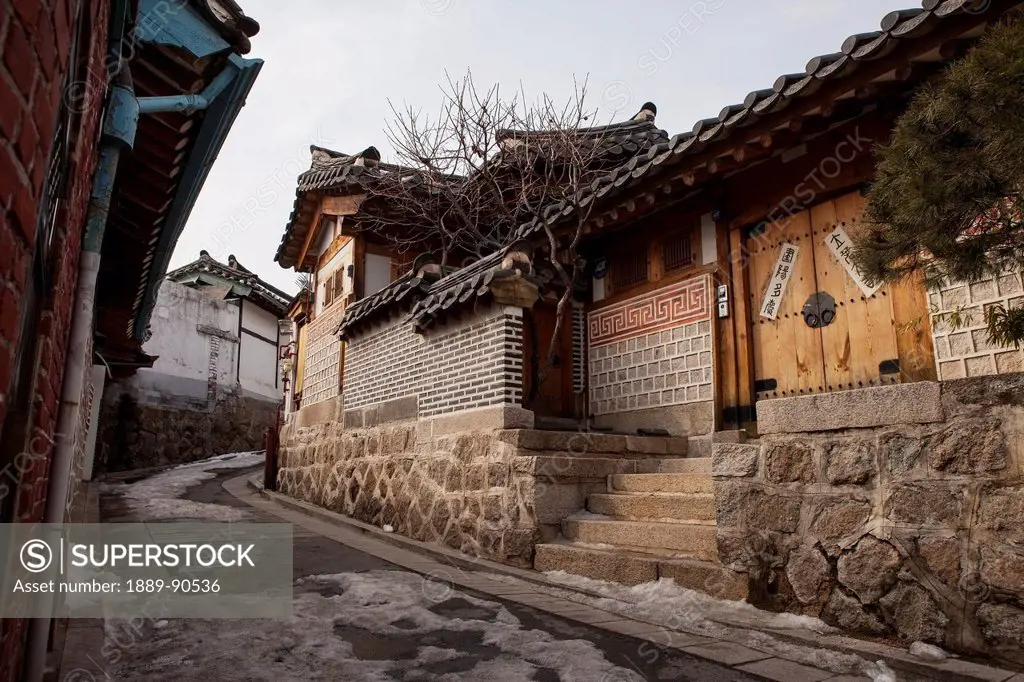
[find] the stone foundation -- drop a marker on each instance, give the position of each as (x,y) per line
(137,435)
(895,511)
(488,493)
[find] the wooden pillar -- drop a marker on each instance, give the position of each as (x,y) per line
(742,312)
(724,335)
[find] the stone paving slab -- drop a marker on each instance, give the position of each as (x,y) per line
(729,653)
(784,671)
(464,572)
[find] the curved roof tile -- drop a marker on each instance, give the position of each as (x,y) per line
(896,25)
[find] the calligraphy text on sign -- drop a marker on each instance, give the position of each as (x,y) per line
(841,246)
(780,279)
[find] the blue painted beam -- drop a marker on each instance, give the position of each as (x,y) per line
(175,23)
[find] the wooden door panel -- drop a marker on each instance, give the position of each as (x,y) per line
(547,390)
(785,349)
(862,336)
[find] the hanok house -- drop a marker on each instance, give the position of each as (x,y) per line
(111,114)
(343,266)
(215,385)
(812,458)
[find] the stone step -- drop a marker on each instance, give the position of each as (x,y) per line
(685,465)
(584,443)
(662,483)
(632,568)
(636,506)
(692,538)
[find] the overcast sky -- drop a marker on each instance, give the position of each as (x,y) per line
(332,65)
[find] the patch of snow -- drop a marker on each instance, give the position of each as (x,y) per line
(159,496)
(879,672)
(369,610)
(388,528)
(593,545)
(665,604)
(928,652)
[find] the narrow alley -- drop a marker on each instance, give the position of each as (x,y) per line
(356,617)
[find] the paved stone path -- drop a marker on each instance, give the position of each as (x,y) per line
(372,620)
(370,606)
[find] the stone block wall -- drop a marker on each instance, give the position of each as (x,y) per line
(893,512)
(469,364)
(653,352)
(488,493)
(136,434)
(967,352)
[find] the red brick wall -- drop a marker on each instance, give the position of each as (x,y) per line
(35,41)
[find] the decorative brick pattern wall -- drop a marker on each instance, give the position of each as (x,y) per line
(665,308)
(968,352)
(652,350)
(35,42)
(323,354)
(477,364)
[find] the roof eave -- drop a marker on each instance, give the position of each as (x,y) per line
(217,122)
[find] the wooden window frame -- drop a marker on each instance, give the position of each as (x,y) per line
(658,270)
(618,283)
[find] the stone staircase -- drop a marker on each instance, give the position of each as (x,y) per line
(648,526)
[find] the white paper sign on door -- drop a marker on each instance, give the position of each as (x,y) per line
(841,246)
(779,280)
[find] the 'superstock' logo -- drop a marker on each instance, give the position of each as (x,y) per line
(36,556)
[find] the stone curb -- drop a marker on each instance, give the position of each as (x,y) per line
(442,554)
(720,651)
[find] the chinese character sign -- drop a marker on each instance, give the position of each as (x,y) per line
(841,246)
(780,279)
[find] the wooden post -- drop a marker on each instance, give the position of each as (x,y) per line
(742,311)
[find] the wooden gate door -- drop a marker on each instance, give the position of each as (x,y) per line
(547,390)
(872,340)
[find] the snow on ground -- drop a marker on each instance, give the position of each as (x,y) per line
(376,625)
(678,609)
(159,496)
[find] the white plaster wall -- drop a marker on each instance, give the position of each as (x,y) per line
(182,367)
(258,320)
(378,273)
(258,366)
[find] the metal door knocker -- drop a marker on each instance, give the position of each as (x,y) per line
(819,310)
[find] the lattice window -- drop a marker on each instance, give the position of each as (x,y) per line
(628,268)
(678,251)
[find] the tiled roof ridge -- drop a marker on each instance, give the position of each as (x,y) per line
(896,25)
(206,263)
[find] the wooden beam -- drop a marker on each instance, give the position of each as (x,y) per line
(342,206)
(314,227)
(954,49)
(722,164)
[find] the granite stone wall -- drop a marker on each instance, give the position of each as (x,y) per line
(488,493)
(892,512)
(137,435)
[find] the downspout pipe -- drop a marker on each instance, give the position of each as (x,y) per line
(120,126)
(189,104)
